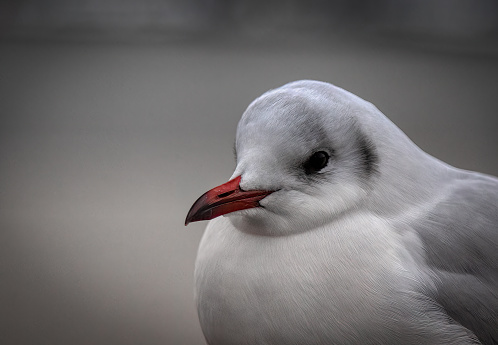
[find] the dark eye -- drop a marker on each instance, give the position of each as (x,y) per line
(316,162)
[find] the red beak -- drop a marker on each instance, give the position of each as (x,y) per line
(224,199)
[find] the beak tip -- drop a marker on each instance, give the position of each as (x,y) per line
(190,218)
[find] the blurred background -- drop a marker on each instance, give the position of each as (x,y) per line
(116,115)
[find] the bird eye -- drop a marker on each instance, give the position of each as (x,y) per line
(316,162)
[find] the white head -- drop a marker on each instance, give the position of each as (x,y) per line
(320,149)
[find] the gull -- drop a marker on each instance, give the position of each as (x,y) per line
(338,229)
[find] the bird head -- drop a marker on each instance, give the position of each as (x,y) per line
(305,155)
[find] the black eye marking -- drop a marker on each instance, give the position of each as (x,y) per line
(316,162)
(368,157)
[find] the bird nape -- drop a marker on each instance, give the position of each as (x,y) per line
(338,229)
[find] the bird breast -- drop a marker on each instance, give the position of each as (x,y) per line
(289,289)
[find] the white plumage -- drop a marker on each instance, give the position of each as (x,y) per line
(382,244)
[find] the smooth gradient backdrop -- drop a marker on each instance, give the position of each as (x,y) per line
(104,147)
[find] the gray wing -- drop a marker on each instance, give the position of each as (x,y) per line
(460,238)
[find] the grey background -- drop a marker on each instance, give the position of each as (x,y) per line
(115,119)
